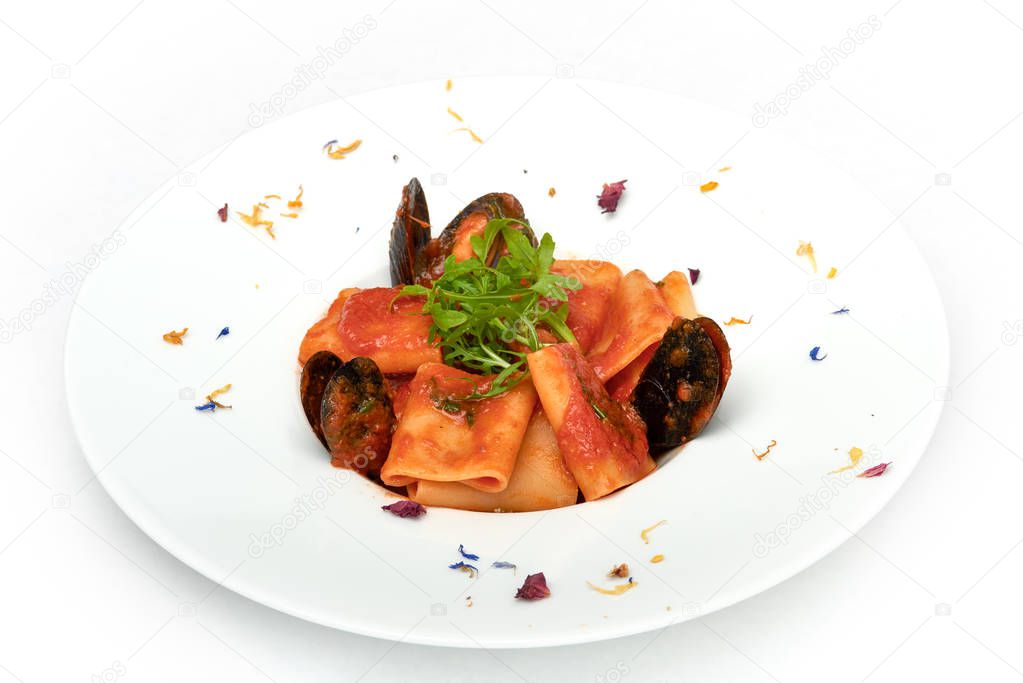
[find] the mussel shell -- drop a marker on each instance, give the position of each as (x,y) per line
(357,416)
(316,373)
(681,386)
(410,234)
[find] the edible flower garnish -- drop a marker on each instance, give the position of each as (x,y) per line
(855,455)
(296,203)
(617,590)
(224,332)
(503,565)
(455,114)
(534,588)
(483,316)
(709,187)
(271,196)
(256,219)
(738,321)
(840,311)
(806,249)
(815,354)
(211,397)
(621,571)
(657,559)
(694,275)
(468,556)
(471,132)
(405,508)
(875,471)
(334,151)
(447,86)
(832,273)
(222,213)
(468,568)
(644,534)
(551,192)
(761,456)
(724,168)
(176,338)
(210,406)
(289,215)
(610,196)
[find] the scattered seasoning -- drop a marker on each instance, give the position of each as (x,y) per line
(334,151)
(644,533)
(211,397)
(656,559)
(617,590)
(724,169)
(551,192)
(395,158)
(738,321)
(176,338)
(503,565)
(468,601)
(709,187)
(694,275)
(621,571)
(447,86)
(211,406)
(761,456)
(455,114)
(256,219)
(610,196)
(468,556)
(875,471)
(296,203)
(840,311)
(222,212)
(467,568)
(596,409)
(806,249)
(855,454)
(472,133)
(832,273)
(271,196)
(534,588)
(815,354)
(405,508)
(224,332)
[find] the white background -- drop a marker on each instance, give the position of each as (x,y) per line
(103,103)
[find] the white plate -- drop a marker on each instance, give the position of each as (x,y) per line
(248,498)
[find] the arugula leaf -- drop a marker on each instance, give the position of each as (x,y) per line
(484,315)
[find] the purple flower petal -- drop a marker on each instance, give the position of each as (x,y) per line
(608,198)
(405,508)
(534,588)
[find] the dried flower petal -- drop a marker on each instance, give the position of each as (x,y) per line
(468,556)
(806,249)
(176,338)
(621,571)
(709,187)
(610,196)
(738,321)
(211,397)
(832,273)
(617,590)
(211,406)
(840,311)
(534,588)
(761,456)
(815,354)
(694,275)
(447,86)
(875,471)
(503,565)
(645,532)
(855,454)
(222,212)
(336,152)
(455,114)
(657,559)
(224,332)
(256,219)
(724,168)
(551,192)
(296,203)
(472,133)
(472,571)
(289,215)
(271,196)
(405,508)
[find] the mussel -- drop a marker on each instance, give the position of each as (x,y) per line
(416,258)
(349,407)
(680,388)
